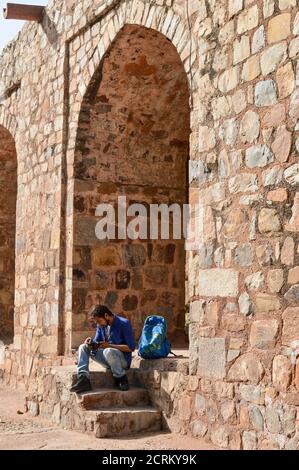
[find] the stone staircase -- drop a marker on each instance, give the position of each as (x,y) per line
(147,407)
(111,412)
(104,411)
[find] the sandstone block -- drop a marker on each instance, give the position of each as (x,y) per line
(249,440)
(224,389)
(272,57)
(255,281)
(197,311)
(228,131)
(211,358)
(268,8)
(282,144)
(293,277)
(156,275)
(273,423)
(105,256)
(221,107)
(291,174)
(247,368)
(239,101)
(220,437)
(233,323)
(212,313)
(265,93)
(198,429)
(294,48)
(218,283)
(263,334)
(229,79)
(241,49)
(268,221)
(226,33)
(292,295)
(293,225)
(285,79)
(258,156)
(252,394)
(258,40)
(251,69)
(290,327)
(272,176)
(134,255)
(243,183)
(275,280)
(274,116)
(266,303)
(250,127)
(279,28)
(227,410)
(278,195)
(234,6)
(288,252)
(281,373)
(248,20)
(256,418)
(294,105)
(84,233)
(243,255)
(206,139)
(200,404)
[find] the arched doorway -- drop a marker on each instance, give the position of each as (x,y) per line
(132,141)
(8,196)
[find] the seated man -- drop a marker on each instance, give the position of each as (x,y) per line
(112,347)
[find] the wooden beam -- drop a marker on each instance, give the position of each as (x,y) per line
(17,11)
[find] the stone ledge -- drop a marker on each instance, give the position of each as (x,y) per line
(169,364)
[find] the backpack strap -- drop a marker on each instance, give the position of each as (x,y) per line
(175,355)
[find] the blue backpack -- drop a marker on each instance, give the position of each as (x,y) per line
(153,342)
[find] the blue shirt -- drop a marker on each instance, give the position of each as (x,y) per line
(121,332)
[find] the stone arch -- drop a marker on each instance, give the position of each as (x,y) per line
(129,281)
(8,201)
(8,121)
(159,18)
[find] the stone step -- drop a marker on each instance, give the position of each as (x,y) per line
(100,379)
(124,421)
(100,399)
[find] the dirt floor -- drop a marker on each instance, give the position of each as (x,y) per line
(23,432)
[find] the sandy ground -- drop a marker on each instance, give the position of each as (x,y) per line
(23,432)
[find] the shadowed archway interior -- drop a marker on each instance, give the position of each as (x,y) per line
(133,141)
(8,195)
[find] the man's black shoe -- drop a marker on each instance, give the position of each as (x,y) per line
(116,382)
(82,385)
(123,384)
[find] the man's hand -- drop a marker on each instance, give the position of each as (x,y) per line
(104,345)
(87,341)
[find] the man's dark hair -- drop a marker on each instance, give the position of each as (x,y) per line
(100,311)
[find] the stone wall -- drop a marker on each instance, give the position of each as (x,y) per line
(244,316)
(240,57)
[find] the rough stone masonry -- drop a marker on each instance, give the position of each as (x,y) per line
(108,98)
